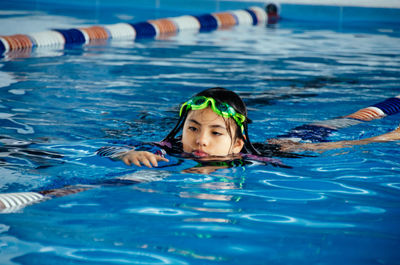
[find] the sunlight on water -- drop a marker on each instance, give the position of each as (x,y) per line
(275,218)
(160,211)
(58,106)
(316,186)
(118,257)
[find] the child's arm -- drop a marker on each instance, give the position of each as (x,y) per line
(292,146)
(129,155)
(142,157)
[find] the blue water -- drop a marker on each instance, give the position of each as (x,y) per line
(336,207)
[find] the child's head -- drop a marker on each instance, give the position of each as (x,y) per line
(213,122)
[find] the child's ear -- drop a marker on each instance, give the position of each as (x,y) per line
(238,145)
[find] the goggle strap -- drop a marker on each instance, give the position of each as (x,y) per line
(181,110)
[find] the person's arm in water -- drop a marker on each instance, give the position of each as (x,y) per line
(293,146)
(130,156)
(319,131)
(142,157)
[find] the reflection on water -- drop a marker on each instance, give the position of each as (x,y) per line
(316,186)
(56,109)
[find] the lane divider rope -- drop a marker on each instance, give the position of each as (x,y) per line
(12,202)
(148,29)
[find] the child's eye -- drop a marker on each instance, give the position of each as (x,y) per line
(217,133)
(193,129)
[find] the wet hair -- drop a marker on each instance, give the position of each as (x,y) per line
(227,96)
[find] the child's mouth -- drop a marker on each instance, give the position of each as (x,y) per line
(199,153)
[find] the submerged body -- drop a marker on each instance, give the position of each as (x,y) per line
(209,134)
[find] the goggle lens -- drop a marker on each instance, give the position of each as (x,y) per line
(199,101)
(222,107)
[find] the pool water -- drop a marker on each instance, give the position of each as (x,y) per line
(58,106)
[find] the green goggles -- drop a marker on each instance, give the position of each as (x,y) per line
(221,108)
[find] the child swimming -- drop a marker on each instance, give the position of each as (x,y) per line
(214,126)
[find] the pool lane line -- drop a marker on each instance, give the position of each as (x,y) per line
(385,108)
(320,131)
(13,202)
(148,29)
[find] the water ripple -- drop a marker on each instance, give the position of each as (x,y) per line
(393,185)
(277,195)
(368,209)
(7,122)
(4,228)
(280,174)
(6,79)
(76,204)
(159,211)
(216,228)
(284,219)
(112,256)
(316,186)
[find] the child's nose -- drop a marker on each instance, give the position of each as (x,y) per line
(202,139)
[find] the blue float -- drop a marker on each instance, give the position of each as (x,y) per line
(253,16)
(144,30)
(390,106)
(207,22)
(72,36)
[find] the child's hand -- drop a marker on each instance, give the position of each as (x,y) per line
(142,157)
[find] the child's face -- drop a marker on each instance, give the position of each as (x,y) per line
(205,133)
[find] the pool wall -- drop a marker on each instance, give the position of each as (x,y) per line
(307,10)
(339,14)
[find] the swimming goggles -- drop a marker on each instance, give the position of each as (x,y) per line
(221,108)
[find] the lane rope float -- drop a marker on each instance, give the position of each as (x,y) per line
(147,29)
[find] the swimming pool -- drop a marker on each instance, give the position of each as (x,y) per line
(59,105)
